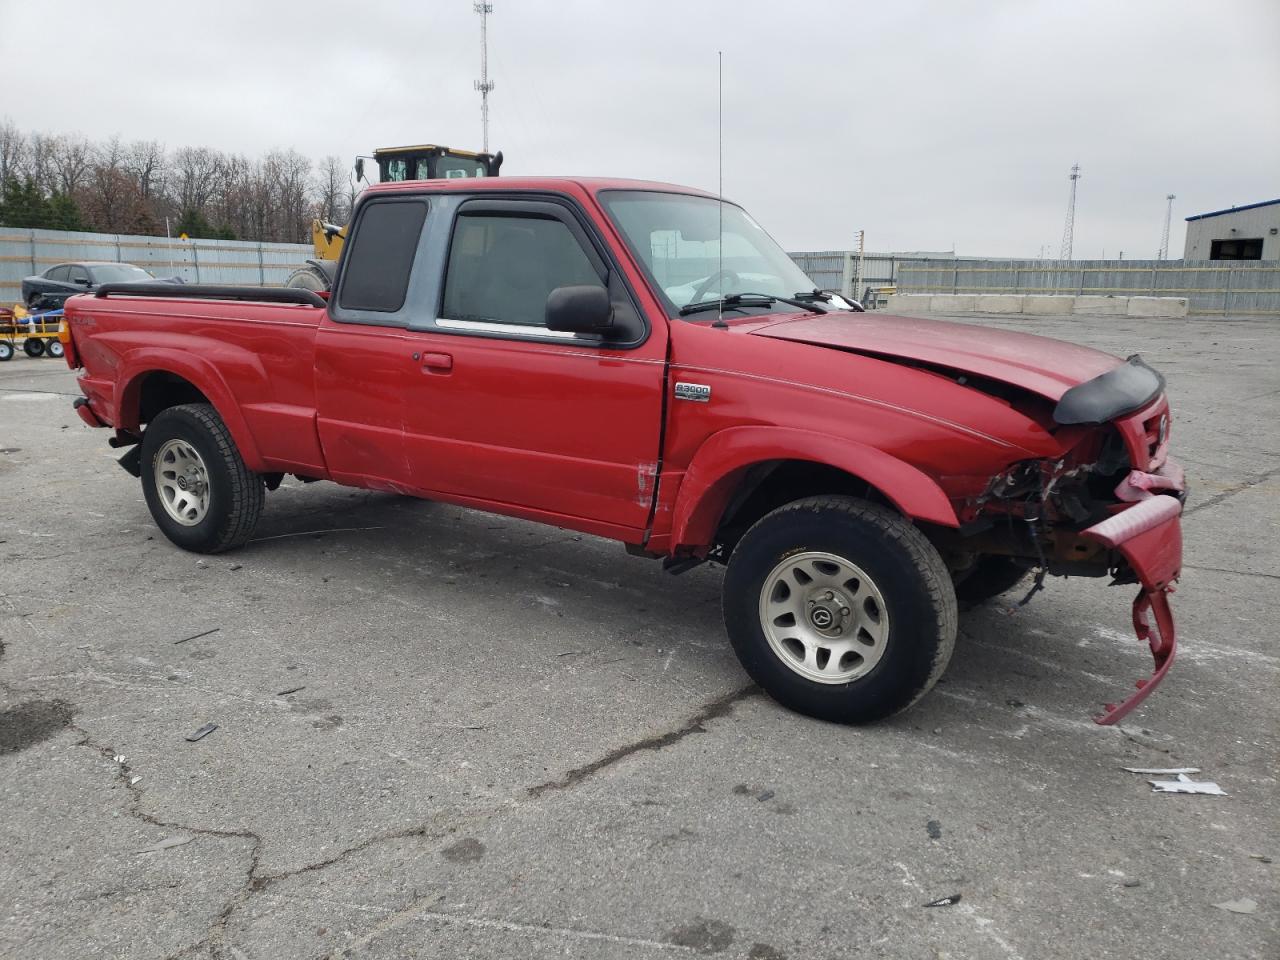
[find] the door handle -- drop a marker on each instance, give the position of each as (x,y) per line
(437,361)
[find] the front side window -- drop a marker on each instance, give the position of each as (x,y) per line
(60,274)
(376,274)
(697,249)
(502,267)
(79,275)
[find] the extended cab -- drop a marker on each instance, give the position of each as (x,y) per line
(640,362)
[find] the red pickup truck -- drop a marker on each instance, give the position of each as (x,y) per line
(641,362)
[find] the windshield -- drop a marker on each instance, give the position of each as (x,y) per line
(679,239)
(119,273)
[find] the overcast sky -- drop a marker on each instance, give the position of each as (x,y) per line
(928,124)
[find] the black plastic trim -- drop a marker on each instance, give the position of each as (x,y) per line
(1121,390)
(191,291)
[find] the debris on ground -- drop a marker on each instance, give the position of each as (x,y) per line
(165,844)
(1260,857)
(120,758)
(1181,784)
(285,693)
(1185,784)
(934,827)
(1131,883)
(203,732)
(764,795)
(197,636)
(945,901)
(1238,906)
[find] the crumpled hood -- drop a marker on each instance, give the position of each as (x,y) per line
(1039,364)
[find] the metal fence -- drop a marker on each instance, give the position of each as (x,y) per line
(1212,287)
(25,252)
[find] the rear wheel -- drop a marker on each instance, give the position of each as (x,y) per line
(307,278)
(6,350)
(840,609)
(53,349)
(199,491)
(33,347)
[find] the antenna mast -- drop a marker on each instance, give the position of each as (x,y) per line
(484,84)
(720,183)
(1068,229)
(1164,236)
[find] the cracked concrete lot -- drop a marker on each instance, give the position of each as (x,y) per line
(444,734)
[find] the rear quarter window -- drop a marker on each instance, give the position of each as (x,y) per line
(385,242)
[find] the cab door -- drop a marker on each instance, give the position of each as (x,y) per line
(362,350)
(501,411)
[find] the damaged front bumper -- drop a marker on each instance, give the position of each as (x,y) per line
(1148,535)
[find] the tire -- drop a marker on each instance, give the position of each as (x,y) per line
(6,351)
(53,349)
(307,278)
(220,499)
(33,347)
(989,577)
(889,580)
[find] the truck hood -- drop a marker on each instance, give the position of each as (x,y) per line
(1039,364)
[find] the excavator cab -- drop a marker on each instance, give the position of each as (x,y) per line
(430,162)
(426,161)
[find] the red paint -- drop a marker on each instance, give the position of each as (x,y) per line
(593,439)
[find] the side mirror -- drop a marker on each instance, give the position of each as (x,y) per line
(584,309)
(359,168)
(81,281)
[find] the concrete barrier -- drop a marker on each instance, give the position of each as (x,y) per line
(1040,305)
(1157,307)
(908,301)
(999,303)
(953,303)
(1095,306)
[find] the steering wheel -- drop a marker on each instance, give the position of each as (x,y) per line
(727,275)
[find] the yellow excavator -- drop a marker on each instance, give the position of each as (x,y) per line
(426,161)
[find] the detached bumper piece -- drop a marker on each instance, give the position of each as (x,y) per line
(1149,536)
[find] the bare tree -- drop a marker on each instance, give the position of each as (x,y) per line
(13,152)
(332,185)
(145,161)
(72,159)
(195,171)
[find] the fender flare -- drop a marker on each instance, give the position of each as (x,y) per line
(202,374)
(719,464)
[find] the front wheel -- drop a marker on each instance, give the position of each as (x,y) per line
(6,351)
(199,491)
(840,609)
(53,349)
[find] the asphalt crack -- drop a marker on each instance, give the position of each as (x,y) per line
(124,774)
(1232,491)
(695,724)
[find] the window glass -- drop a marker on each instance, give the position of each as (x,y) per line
(376,274)
(396,170)
(58,273)
(79,275)
(450,167)
(501,268)
(119,273)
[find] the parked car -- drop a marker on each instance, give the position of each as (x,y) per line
(48,290)
(641,362)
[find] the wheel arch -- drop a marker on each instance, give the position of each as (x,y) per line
(154,383)
(741,473)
